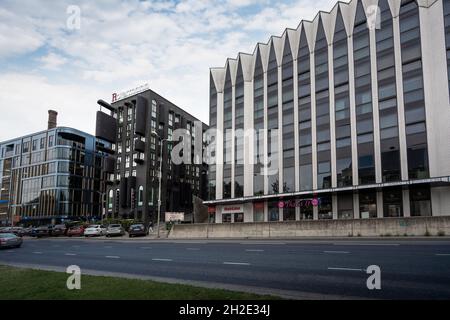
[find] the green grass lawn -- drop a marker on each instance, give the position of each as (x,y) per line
(22,284)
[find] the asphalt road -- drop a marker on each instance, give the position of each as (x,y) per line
(311,269)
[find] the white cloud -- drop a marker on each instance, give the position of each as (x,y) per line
(17,35)
(121,42)
(52,61)
(28,97)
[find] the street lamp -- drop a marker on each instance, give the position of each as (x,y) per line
(161,141)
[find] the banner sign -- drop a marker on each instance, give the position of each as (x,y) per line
(174,216)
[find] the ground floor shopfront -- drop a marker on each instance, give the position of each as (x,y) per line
(362,203)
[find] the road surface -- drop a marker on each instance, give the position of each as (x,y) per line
(301,269)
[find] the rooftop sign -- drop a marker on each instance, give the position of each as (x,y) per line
(125,94)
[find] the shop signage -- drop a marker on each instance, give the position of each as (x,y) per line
(233,209)
(299,203)
(212,209)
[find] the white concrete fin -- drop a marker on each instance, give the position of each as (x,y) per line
(248,65)
(294,41)
(333,16)
(348,11)
(309,32)
(326,21)
(232,65)
(264,51)
(395,7)
(277,43)
(218,75)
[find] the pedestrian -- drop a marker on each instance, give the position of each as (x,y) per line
(150,227)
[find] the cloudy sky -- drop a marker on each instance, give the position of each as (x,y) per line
(46,61)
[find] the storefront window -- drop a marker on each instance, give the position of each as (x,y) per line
(274,211)
(289,214)
(258,212)
(420,201)
(325,208)
(226,218)
(238,217)
(368,204)
(393,202)
(345,206)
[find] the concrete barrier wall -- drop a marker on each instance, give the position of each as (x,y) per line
(414,226)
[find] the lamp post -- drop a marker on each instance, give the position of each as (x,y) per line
(161,141)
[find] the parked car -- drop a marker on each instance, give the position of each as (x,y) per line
(95,230)
(18,231)
(115,230)
(42,231)
(10,240)
(137,230)
(59,230)
(77,231)
(27,231)
(5,230)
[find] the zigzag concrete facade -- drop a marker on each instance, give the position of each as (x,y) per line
(360,99)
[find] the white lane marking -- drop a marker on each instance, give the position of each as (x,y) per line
(37,252)
(162,260)
(367,244)
(10,251)
(254,250)
(263,243)
(193,249)
(108,247)
(70,254)
(112,257)
(338,252)
(443,254)
(345,269)
(145,248)
(237,263)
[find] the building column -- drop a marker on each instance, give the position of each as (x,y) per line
(313,121)
(406,203)
(356,214)
(315,212)
(334,201)
(219,147)
(332,119)
(400,101)
(380,204)
(375,105)
(351,87)
(297,214)
(266,138)
(280,132)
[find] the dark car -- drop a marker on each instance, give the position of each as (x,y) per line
(59,230)
(10,240)
(137,230)
(42,231)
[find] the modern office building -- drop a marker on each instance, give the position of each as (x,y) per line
(51,176)
(360,100)
(134,163)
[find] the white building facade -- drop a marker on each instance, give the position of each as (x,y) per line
(353,108)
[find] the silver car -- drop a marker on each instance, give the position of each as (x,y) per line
(10,240)
(115,230)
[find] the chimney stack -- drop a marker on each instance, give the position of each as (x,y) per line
(52,119)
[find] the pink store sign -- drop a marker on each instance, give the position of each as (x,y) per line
(299,203)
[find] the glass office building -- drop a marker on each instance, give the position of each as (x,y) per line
(352,109)
(51,176)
